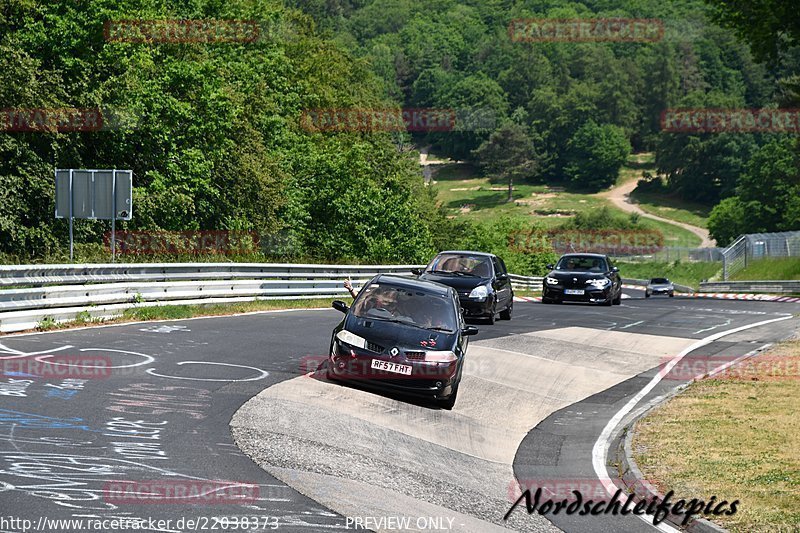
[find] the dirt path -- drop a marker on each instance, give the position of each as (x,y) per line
(620,197)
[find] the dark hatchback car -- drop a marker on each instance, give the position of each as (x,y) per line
(480,279)
(403,335)
(583,278)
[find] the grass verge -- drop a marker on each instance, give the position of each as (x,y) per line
(736,436)
(672,208)
(684,273)
(761,269)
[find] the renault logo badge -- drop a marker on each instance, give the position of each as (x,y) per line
(394,351)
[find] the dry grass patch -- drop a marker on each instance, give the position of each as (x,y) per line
(737,437)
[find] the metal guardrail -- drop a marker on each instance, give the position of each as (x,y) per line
(526,283)
(61,292)
(41,275)
(764,287)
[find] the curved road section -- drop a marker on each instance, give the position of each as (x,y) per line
(371,457)
(140,423)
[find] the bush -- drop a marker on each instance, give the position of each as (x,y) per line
(603,218)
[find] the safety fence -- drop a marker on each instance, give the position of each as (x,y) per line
(754,246)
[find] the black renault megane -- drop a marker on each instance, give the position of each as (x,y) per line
(583,278)
(404,335)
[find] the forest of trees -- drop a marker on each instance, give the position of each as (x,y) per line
(583,105)
(216,140)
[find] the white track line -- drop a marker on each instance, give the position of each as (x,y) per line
(600,449)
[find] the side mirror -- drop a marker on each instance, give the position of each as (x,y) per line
(502,277)
(614,269)
(340,306)
(416,271)
(551,267)
(469,330)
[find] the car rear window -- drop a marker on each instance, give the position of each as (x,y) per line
(659,280)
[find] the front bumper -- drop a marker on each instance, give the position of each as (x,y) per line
(431,380)
(476,308)
(590,294)
(660,291)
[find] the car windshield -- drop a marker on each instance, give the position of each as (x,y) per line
(472,265)
(407,306)
(659,281)
(582,262)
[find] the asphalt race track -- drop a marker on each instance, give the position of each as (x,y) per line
(198,403)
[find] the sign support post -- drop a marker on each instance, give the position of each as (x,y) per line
(71,210)
(114,218)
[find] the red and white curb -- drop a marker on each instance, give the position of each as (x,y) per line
(740,296)
(527,299)
(713,295)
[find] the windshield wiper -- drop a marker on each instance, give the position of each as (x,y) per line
(441,328)
(440,272)
(461,273)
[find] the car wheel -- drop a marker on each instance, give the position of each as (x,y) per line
(647,295)
(506,315)
(618,299)
(490,319)
(671,295)
(450,401)
(609,302)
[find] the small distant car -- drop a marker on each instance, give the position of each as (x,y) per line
(583,277)
(659,286)
(480,279)
(404,335)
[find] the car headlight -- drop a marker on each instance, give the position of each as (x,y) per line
(351,338)
(481,291)
(440,357)
(551,281)
(599,283)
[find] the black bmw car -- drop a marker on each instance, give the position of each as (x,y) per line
(583,277)
(404,335)
(480,279)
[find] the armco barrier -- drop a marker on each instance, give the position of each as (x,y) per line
(761,287)
(60,292)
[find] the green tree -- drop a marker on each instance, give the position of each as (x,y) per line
(507,155)
(766,197)
(595,155)
(727,220)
